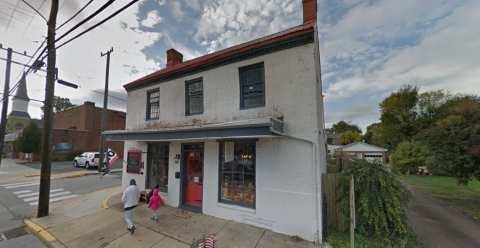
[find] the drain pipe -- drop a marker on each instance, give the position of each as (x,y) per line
(315,198)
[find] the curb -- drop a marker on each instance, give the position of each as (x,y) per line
(53,173)
(41,233)
(105,205)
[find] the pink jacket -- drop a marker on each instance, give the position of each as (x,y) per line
(155,200)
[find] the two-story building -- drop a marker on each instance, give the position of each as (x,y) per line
(236,134)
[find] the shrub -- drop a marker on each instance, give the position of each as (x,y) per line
(72,155)
(408,157)
(379,198)
(333,168)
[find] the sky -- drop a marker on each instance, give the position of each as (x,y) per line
(369,49)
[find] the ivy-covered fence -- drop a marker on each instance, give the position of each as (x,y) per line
(335,216)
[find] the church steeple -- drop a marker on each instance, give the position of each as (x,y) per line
(22,90)
(20,100)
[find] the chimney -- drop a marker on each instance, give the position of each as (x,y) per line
(173,57)
(309,10)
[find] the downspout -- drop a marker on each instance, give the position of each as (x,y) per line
(315,198)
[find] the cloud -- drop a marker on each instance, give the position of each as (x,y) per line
(152,19)
(177,12)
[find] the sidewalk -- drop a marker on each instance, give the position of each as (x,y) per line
(60,175)
(83,222)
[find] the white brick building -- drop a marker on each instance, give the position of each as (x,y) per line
(245,125)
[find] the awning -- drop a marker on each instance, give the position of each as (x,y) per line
(258,127)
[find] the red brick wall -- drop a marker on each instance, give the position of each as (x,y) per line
(88,117)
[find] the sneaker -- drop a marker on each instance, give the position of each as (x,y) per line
(152,218)
(132,230)
(156,221)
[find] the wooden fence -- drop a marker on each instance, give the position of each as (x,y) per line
(335,215)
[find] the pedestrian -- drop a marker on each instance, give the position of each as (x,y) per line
(130,201)
(154,204)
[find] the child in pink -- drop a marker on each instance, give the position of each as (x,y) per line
(154,204)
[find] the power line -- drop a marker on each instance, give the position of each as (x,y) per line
(108,95)
(35,10)
(73,28)
(78,12)
(98,24)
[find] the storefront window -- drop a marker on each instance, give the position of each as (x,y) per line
(158,167)
(237,172)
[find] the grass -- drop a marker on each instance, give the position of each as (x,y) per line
(341,239)
(463,198)
(296,238)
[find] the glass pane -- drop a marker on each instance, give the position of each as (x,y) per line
(239,192)
(158,169)
(237,179)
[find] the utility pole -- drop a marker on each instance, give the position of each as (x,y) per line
(6,89)
(104,115)
(44,197)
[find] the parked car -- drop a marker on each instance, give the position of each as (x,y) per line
(87,159)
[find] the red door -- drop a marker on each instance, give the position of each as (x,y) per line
(194,178)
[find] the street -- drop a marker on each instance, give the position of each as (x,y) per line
(19,196)
(65,166)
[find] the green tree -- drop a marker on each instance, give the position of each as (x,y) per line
(372,134)
(59,104)
(408,157)
(430,105)
(379,202)
(30,140)
(343,126)
(398,116)
(349,137)
(455,138)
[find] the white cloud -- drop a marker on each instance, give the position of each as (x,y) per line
(152,19)
(176,8)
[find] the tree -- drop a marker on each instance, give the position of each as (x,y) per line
(349,137)
(372,134)
(343,126)
(59,104)
(455,138)
(30,140)
(408,157)
(379,202)
(398,116)
(430,104)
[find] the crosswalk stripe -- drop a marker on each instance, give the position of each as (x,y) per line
(23,185)
(22,192)
(36,193)
(55,199)
(36,197)
(13,184)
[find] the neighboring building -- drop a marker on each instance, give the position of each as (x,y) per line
(236,134)
(331,150)
(88,117)
(363,150)
(76,129)
(334,139)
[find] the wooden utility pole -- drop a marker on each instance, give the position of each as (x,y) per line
(352,212)
(6,89)
(44,196)
(104,115)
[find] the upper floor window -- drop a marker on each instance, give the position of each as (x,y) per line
(194,97)
(252,86)
(153,104)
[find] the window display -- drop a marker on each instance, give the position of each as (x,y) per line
(238,173)
(158,167)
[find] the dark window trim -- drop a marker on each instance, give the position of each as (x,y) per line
(149,150)
(240,69)
(220,146)
(147,112)
(187,100)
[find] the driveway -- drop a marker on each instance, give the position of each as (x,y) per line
(438,225)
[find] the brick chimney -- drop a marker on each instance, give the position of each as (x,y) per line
(173,57)
(309,10)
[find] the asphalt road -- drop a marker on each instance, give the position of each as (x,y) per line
(65,166)
(19,196)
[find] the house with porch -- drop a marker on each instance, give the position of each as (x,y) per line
(236,134)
